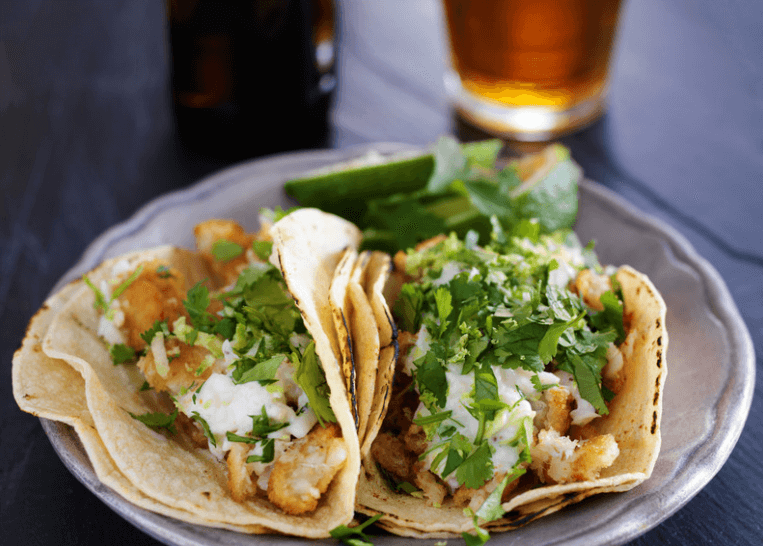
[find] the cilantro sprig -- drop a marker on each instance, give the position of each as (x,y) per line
(347,534)
(157,420)
(102,303)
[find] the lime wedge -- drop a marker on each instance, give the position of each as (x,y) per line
(345,188)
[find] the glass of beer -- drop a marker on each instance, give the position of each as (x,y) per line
(529,70)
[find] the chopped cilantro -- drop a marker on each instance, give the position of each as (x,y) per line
(158,420)
(121,353)
(477,468)
(268,452)
(540,387)
(611,316)
(309,376)
(205,426)
(548,344)
(345,533)
(196,304)
(262,426)
(430,377)
(164,272)
(224,251)
(480,537)
(159,326)
(263,249)
(491,508)
(433,419)
(126,283)
(248,370)
(101,303)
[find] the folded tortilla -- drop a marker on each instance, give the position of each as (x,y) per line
(633,420)
(64,372)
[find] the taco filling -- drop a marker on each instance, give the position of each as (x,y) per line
(236,359)
(508,353)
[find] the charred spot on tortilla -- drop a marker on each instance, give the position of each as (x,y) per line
(351,379)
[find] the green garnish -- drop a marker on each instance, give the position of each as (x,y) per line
(104,305)
(164,272)
(205,426)
(159,326)
(121,353)
(346,534)
(261,425)
(265,371)
(501,306)
(224,251)
(158,420)
(480,537)
(263,249)
(309,376)
(268,452)
(196,304)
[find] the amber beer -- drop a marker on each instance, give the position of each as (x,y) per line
(251,77)
(530,69)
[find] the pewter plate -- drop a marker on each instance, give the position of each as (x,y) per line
(709,349)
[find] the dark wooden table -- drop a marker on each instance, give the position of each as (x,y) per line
(87,137)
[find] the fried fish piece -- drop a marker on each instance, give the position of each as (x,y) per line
(304,471)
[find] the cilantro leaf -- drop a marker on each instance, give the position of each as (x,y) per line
(547,347)
(345,533)
(443,301)
(164,272)
(247,370)
(224,251)
(477,468)
(196,305)
(159,326)
(205,426)
(408,307)
(481,537)
(263,249)
(491,509)
(430,377)
(261,425)
(309,376)
(611,316)
(121,353)
(589,383)
(268,453)
(158,420)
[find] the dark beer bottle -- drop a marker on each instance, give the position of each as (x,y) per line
(251,77)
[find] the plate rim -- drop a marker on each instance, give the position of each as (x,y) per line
(714,451)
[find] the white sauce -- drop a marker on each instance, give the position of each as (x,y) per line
(227,407)
(419,349)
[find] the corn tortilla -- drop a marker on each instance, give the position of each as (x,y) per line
(164,474)
(634,421)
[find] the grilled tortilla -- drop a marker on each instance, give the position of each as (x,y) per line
(612,452)
(65,371)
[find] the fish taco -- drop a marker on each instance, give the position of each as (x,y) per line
(529,377)
(208,381)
